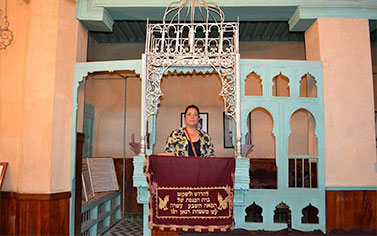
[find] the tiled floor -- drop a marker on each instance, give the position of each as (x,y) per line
(128,227)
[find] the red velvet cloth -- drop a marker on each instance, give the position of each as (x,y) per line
(190,193)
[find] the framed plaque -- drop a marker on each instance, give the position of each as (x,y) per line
(87,184)
(102,174)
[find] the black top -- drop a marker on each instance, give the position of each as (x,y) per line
(197,148)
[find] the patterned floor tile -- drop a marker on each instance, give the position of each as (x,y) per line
(128,227)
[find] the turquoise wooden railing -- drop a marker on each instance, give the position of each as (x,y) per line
(99,215)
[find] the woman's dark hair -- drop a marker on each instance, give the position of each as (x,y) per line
(192,106)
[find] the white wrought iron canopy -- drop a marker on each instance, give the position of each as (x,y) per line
(193,33)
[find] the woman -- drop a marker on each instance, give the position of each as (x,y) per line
(190,141)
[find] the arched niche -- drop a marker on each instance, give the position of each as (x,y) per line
(101,112)
(280,86)
(263,170)
(309,215)
(253,85)
(260,125)
(282,213)
(254,213)
(308,86)
(303,151)
(303,140)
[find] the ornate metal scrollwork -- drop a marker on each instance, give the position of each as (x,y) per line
(177,41)
(6,35)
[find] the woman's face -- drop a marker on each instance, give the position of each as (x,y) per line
(192,117)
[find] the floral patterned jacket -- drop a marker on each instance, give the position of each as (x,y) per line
(178,144)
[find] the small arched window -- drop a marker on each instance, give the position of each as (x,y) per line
(254,213)
(282,213)
(253,85)
(308,86)
(263,170)
(303,151)
(281,86)
(309,215)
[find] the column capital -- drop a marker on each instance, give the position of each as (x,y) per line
(94,17)
(304,16)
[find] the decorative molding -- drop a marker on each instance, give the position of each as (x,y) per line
(92,12)
(94,18)
(244,3)
(305,16)
(242,173)
(138,175)
(297,23)
(239,197)
(143,195)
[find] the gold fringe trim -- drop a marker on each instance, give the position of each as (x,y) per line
(196,228)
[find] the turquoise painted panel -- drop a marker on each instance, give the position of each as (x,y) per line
(89,115)
(281,110)
(105,216)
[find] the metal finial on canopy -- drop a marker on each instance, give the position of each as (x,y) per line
(208,11)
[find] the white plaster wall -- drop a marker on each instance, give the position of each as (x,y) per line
(133,113)
(108,97)
(109,101)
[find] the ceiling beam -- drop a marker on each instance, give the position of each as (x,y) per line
(99,15)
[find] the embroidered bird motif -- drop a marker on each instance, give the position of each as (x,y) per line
(223,203)
(162,204)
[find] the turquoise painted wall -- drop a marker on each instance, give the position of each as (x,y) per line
(281,110)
